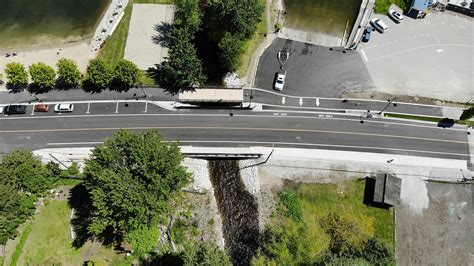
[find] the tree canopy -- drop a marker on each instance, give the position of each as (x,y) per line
(43,76)
(26,172)
(125,74)
(99,74)
(467,114)
(132,179)
(22,177)
(17,77)
(69,75)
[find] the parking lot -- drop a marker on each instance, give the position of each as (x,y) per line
(96,108)
(430,57)
(313,70)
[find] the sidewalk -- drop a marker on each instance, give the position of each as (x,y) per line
(152,94)
(278,100)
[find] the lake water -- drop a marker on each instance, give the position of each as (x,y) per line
(32,22)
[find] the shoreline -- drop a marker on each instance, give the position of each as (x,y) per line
(49,41)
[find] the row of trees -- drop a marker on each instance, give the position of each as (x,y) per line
(100,75)
(213,33)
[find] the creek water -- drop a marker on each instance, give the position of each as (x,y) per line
(238,209)
(40,22)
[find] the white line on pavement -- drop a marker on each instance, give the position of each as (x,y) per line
(388,120)
(283,100)
(281,143)
(33,110)
(364,55)
(317,101)
(301,101)
(88,107)
(116,108)
(146,107)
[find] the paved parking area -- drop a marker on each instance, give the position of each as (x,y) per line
(431,57)
(313,70)
(97,108)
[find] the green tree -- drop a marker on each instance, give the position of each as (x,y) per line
(377,253)
(346,235)
(205,254)
(125,74)
(239,17)
(188,15)
(292,205)
(17,76)
(26,172)
(69,75)
(183,69)
(99,74)
(132,179)
(467,114)
(143,240)
(15,207)
(43,76)
(230,51)
(294,243)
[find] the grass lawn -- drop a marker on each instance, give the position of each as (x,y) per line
(114,47)
(346,200)
(381,6)
(49,241)
(251,45)
(325,16)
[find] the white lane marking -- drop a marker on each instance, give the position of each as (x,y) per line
(387,121)
(283,100)
(301,101)
(116,108)
(146,107)
(284,143)
(439,50)
(317,101)
(364,55)
(33,110)
(74,143)
(422,47)
(88,107)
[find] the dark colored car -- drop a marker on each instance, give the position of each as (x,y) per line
(446,122)
(366,36)
(15,110)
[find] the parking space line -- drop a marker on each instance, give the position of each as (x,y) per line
(301,101)
(146,107)
(282,100)
(317,101)
(116,108)
(32,110)
(364,55)
(88,107)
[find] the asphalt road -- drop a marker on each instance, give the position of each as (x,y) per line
(313,70)
(242,128)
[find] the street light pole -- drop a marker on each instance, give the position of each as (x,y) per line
(388,104)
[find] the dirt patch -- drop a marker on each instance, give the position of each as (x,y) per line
(443,234)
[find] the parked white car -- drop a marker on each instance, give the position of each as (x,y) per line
(280,80)
(64,108)
(395,15)
(379,25)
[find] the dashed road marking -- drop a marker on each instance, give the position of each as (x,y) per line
(317,101)
(364,55)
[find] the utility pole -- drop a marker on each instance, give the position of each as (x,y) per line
(388,104)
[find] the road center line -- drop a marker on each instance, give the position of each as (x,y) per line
(235,128)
